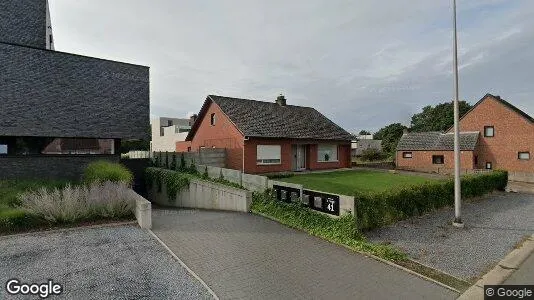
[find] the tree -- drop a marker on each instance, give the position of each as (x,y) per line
(390,136)
(364,132)
(437,118)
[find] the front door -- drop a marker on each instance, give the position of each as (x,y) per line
(299,157)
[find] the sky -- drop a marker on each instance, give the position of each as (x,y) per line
(364,64)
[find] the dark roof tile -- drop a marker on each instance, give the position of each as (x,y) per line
(417,141)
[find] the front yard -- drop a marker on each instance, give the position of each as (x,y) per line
(348,182)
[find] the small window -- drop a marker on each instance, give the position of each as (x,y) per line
(3,149)
(326,153)
(489,131)
(407,155)
(213,119)
(438,159)
(489,165)
(520,155)
(169,122)
(268,154)
(188,149)
(161,131)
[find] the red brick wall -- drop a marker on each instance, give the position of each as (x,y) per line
(251,167)
(183,146)
(422,160)
(513,133)
(223,134)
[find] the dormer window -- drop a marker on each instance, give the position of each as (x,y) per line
(213,119)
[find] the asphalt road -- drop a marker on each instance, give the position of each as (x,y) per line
(106,263)
(245,256)
(525,273)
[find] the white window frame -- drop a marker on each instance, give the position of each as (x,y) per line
(320,158)
(490,164)
(407,154)
(268,155)
(492,131)
(523,152)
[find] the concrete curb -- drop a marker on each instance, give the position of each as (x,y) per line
(506,267)
(184,265)
(382,260)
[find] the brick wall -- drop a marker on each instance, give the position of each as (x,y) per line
(48,167)
(223,135)
(513,133)
(251,167)
(422,160)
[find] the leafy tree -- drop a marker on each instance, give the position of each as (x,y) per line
(390,136)
(364,132)
(437,118)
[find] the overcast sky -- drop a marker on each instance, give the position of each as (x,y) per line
(363,63)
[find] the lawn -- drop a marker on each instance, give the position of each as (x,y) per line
(346,182)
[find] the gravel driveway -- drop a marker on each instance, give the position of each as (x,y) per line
(121,262)
(493,226)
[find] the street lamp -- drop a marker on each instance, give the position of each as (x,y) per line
(457,184)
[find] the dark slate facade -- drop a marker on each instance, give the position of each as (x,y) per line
(54,94)
(23,22)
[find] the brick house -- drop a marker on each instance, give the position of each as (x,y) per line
(494,135)
(61,111)
(265,137)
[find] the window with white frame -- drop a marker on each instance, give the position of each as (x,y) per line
(268,154)
(520,155)
(407,155)
(326,153)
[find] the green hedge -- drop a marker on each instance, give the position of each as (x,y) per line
(101,171)
(340,230)
(174,181)
(380,209)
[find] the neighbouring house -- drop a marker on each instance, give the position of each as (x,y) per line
(61,111)
(494,135)
(269,137)
(166,132)
(362,143)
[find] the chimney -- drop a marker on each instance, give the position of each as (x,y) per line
(281,100)
(192,119)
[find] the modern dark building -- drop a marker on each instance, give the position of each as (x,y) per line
(60,111)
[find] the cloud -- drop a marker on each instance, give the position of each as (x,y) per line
(364,64)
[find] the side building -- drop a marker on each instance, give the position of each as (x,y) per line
(494,135)
(60,111)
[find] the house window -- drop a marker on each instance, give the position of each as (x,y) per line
(268,154)
(489,131)
(3,149)
(161,131)
(520,155)
(489,165)
(326,153)
(213,119)
(407,155)
(438,159)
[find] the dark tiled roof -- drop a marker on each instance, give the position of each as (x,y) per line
(23,22)
(436,141)
(270,120)
(55,94)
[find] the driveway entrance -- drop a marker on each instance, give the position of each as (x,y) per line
(242,255)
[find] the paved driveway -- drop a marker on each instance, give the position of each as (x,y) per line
(493,226)
(246,256)
(104,263)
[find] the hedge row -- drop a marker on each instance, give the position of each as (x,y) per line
(380,209)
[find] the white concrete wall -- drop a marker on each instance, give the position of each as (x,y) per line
(143,211)
(521,177)
(205,195)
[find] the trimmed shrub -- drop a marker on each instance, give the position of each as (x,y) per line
(375,210)
(107,200)
(280,175)
(102,171)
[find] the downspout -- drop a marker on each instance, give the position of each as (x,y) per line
(244,139)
